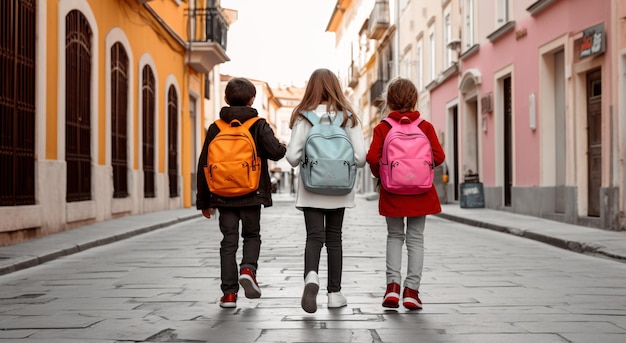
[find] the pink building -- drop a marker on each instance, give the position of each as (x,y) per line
(532,108)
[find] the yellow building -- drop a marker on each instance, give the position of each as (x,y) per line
(101,111)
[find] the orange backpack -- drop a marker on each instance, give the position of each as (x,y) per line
(233,165)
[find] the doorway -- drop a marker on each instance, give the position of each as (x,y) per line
(455,151)
(559,132)
(194,148)
(594,141)
(471,160)
(508,139)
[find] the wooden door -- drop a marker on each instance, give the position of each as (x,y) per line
(594,141)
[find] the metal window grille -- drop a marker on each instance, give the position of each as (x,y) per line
(78,106)
(17,102)
(148,131)
(172,139)
(119,120)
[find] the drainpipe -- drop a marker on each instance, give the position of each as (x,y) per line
(396,48)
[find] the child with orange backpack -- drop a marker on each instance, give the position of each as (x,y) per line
(237,193)
(399,201)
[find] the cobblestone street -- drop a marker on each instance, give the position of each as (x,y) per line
(163,286)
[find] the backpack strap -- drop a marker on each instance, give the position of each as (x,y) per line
(314,119)
(222,124)
(403,120)
(248,123)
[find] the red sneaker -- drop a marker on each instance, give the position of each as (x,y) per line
(392,296)
(411,299)
(228,300)
(249,284)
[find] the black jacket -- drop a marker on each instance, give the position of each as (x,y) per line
(268,147)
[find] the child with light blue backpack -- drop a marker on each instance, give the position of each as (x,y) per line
(323,100)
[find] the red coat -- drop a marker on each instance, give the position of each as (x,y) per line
(394,205)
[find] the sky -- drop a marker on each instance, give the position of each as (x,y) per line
(280,42)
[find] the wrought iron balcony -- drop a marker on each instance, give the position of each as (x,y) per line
(208,30)
(379,19)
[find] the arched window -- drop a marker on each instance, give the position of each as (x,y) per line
(172,139)
(119,120)
(17,102)
(78,42)
(148,112)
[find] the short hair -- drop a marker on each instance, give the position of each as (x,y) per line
(401,95)
(239,91)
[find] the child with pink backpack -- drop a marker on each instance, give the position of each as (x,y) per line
(403,154)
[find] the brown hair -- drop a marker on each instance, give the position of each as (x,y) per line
(239,91)
(401,95)
(323,87)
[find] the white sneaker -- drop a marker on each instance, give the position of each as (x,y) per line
(309,295)
(336,299)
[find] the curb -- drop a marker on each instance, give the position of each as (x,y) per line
(16,263)
(575,246)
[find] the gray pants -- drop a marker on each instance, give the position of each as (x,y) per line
(415,249)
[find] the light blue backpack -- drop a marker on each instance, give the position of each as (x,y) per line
(327,165)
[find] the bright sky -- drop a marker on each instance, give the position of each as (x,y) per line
(279,41)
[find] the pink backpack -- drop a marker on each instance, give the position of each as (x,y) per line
(406,166)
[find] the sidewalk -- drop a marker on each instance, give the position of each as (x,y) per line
(586,240)
(608,244)
(34,252)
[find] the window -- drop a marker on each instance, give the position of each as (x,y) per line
(420,65)
(503,12)
(447,38)
(172,140)
(207,86)
(405,65)
(385,64)
(431,47)
(17,102)
(469,24)
(119,120)
(364,48)
(148,111)
(78,42)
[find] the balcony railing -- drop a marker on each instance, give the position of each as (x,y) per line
(208,33)
(208,25)
(379,19)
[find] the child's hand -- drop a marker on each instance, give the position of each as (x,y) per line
(207,212)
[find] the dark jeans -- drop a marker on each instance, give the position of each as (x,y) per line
(229,218)
(324,227)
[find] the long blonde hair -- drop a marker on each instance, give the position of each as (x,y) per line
(323,87)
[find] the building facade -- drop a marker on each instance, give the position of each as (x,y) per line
(527,96)
(534,111)
(101,108)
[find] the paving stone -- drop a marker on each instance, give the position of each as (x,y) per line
(55,321)
(478,286)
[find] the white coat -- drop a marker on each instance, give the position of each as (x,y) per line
(295,148)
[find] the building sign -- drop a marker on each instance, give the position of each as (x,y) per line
(593,41)
(486,103)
